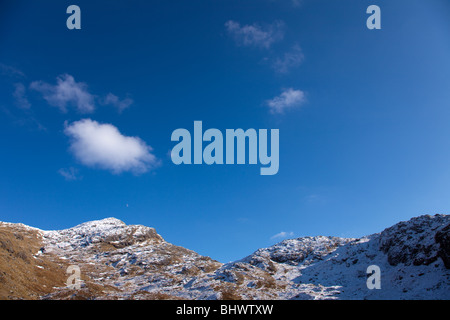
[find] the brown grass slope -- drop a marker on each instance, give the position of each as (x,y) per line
(23,274)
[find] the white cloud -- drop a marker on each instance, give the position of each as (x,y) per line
(20,97)
(282,235)
(70,174)
(114,100)
(66,92)
(255,35)
(103,146)
(290,60)
(288,99)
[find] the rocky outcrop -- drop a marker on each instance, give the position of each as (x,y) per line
(442,237)
(419,241)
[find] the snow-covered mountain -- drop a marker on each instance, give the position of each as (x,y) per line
(119,261)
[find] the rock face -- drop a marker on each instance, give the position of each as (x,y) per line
(443,238)
(118,261)
(419,241)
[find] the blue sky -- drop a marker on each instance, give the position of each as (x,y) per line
(363,116)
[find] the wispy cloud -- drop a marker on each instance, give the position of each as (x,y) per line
(11,71)
(103,146)
(23,117)
(290,60)
(66,92)
(114,100)
(256,35)
(294,3)
(20,97)
(288,99)
(70,174)
(282,235)
(243,220)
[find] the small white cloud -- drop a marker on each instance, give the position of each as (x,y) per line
(256,35)
(70,174)
(288,99)
(290,60)
(66,92)
(20,97)
(282,235)
(114,100)
(103,146)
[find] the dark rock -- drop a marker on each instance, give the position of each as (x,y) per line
(443,238)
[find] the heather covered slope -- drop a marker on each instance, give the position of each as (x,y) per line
(118,261)
(23,273)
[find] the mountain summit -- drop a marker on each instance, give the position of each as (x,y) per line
(119,261)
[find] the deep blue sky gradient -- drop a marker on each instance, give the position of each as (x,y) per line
(370,147)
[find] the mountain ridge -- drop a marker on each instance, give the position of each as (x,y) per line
(119,261)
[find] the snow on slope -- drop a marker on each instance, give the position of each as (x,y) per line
(134,262)
(109,230)
(130,259)
(410,254)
